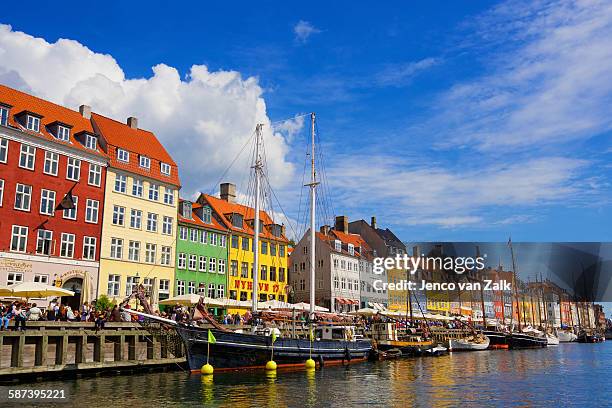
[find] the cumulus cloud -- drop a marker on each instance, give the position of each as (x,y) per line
(303,30)
(203,119)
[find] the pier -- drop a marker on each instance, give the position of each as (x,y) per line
(70,349)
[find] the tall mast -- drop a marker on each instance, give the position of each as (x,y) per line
(257,167)
(313,184)
(515,283)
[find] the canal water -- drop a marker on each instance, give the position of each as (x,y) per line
(567,375)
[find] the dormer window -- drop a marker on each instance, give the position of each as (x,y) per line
(351,249)
(63,133)
(4,114)
(123,155)
(237,220)
(91,142)
(165,169)
(206,215)
(33,123)
(145,162)
(276,230)
(186,210)
(338,245)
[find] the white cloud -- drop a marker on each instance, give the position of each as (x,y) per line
(548,80)
(203,119)
(303,30)
(401,74)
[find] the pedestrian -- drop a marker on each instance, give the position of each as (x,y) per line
(20,317)
(34,314)
(85,310)
(6,314)
(51,310)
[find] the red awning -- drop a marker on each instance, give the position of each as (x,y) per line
(341,301)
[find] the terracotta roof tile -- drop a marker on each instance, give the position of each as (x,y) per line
(197,221)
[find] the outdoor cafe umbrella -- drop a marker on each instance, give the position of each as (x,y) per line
(5,291)
(189,299)
(366,311)
(37,290)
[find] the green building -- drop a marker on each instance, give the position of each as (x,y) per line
(201,252)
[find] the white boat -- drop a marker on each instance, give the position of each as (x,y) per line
(552,339)
(567,337)
(470,343)
(437,351)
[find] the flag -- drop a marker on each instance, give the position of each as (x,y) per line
(67,202)
(273,336)
(211,338)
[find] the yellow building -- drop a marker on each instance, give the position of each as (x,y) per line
(273,248)
(140,210)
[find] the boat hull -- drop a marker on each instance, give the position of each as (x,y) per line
(408,348)
(241,351)
(524,341)
(567,337)
(552,340)
(497,339)
(463,345)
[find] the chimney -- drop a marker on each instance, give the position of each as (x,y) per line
(342,223)
(373,222)
(228,192)
(325,229)
(415,251)
(132,122)
(85,111)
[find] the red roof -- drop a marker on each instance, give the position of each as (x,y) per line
(137,142)
(197,221)
(224,208)
(362,249)
(49,113)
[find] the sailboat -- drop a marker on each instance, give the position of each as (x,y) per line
(228,350)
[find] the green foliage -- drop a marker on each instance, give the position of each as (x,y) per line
(104,303)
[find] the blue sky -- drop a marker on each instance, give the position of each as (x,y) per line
(447,120)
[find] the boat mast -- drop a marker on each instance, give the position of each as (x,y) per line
(313,184)
(518,306)
(257,167)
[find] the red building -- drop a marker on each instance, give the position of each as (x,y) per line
(46,150)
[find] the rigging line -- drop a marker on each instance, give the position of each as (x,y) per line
(288,119)
(211,191)
(280,206)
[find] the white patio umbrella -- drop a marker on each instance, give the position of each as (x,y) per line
(366,311)
(185,300)
(5,291)
(38,290)
(306,306)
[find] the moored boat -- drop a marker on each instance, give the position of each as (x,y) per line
(566,336)
(497,339)
(526,340)
(470,343)
(551,340)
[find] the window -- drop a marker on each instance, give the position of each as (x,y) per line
(234,268)
(1,191)
(203,236)
(338,245)
(211,290)
(351,249)
(183,233)
(47,202)
(118,215)
(221,266)
(23,197)
(164,286)
(150,253)
(134,251)
(95,175)
(264,248)
(91,211)
(263,273)
(191,287)
(67,245)
(212,238)
(206,215)
(71,213)
(193,235)
(135,219)
(4,113)
(165,255)
(202,264)
(272,249)
(27,157)
(272,273)
(212,264)
(182,260)
(14,278)
(38,278)
(89,248)
(63,133)
(131,285)
(33,123)
(336,282)
(152,222)
(180,287)
(193,262)
(221,291)
(153,192)
(245,244)
(147,283)
(281,274)
(145,162)
(73,171)
(168,196)
(165,169)
(91,142)
(123,155)
(167,225)
(120,183)
(3,150)
(43,242)
(137,188)
(51,163)
(222,241)
(244,270)
(235,241)
(116,249)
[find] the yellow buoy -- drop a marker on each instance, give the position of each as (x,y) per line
(310,363)
(207,369)
(271,365)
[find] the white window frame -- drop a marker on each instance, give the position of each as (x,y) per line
(47,202)
(183,233)
(220,291)
(25,195)
(27,157)
(150,253)
(165,168)
(137,187)
(134,251)
(181,260)
(221,266)
(116,248)
(202,263)
(4,146)
(73,169)
(193,262)
(33,123)
(212,264)
(95,175)
(168,196)
(211,290)
(44,235)
(4,115)
(118,216)
(123,155)
(41,278)
(191,287)
(63,133)
(167,225)
(67,245)
(52,161)
(92,208)
(71,214)
(164,286)
(89,248)
(120,183)
(153,192)
(165,255)
(193,235)
(144,162)
(180,287)
(1,191)
(91,142)
(152,219)
(13,278)
(136,218)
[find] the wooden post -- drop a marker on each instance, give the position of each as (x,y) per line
(118,348)
(164,347)
(150,347)
(61,350)
(40,353)
(17,351)
(99,341)
(131,340)
(80,347)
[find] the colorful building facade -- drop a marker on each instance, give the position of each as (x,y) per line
(139,224)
